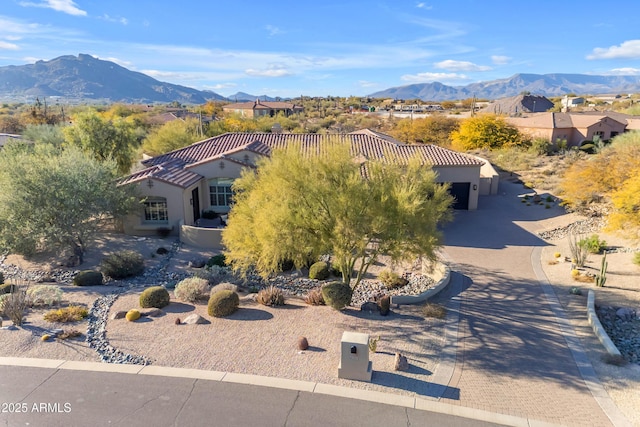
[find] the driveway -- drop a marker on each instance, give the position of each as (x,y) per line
(516,353)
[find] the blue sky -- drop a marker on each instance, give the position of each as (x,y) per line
(287,48)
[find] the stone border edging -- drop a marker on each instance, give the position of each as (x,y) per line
(416,299)
(598,329)
(419,403)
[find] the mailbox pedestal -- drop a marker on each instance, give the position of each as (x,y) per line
(354,357)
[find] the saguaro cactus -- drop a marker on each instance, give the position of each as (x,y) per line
(601,278)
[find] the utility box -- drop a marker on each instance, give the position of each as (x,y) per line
(354,357)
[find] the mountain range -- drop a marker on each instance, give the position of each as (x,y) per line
(538,84)
(85,77)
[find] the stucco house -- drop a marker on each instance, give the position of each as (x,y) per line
(572,127)
(179,186)
(259,108)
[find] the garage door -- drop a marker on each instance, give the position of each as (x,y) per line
(460,190)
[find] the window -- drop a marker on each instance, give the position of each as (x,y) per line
(220,192)
(155,210)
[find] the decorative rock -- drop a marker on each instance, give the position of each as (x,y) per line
(151,312)
(303,343)
(401,363)
(194,319)
(177,321)
(197,263)
(625,313)
(118,315)
(9,328)
(162,251)
(369,306)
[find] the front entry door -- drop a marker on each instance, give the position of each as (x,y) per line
(195,201)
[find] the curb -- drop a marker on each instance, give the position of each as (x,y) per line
(598,329)
(416,299)
(418,403)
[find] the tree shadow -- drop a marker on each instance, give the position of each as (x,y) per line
(418,386)
(178,307)
(316,349)
(250,314)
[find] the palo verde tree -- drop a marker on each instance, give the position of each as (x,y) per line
(53,198)
(171,136)
(299,206)
(486,131)
(102,138)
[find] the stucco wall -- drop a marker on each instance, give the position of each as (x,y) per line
(134,224)
(205,238)
(470,174)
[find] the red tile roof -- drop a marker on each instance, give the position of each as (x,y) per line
(364,144)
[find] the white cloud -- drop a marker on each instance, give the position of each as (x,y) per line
(432,77)
(629,49)
(500,59)
(273,30)
(365,83)
(65,6)
(451,65)
(220,86)
(268,72)
(625,71)
(121,20)
(423,5)
(8,46)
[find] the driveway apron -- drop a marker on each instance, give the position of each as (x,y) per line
(511,354)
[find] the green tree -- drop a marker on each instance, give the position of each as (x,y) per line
(103,139)
(56,198)
(299,207)
(44,134)
(487,131)
(171,136)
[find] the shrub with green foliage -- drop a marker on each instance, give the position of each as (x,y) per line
(155,296)
(270,296)
(7,288)
(391,279)
(88,278)
(218,260)
(593,244)
(223,303)
(120,265)
(225,286)
(192,289)
(337,295)
(44,295)
(319,271)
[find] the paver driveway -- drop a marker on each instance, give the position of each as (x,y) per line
(511,354)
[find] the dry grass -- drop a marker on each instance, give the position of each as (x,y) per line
(73,313)
(583,278)
(68,334)
(437,311)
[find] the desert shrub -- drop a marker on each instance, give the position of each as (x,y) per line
(120,265)
(191,289)
(219,260)
(636,259)
(73,313)
(225,286)
(15,303)
(337,295)
(384,305)
(578,249)
(7,288)
(593,244)
(314,297)
(44,295)
(214,274)
(132,315)
(163,231)
(70,333)
(575,290)
(270,296)
(155,296)
(88,278)
(431,309)
(391,279)
(3,299)
(319,270)
(1,278)
(223,303)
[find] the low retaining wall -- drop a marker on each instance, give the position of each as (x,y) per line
(445,276)
(205,238)
(597,326)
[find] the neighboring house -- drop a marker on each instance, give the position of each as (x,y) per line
(569,103)
(180,185)
(572,127)
(259,108)
(519,104)
(6,137)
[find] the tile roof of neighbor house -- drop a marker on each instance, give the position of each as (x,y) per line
(257,104)
(565,120)
(173,167)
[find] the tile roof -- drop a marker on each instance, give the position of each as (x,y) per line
(365,144)
(257,104)
(566,120)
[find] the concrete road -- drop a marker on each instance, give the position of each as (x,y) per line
(36,397)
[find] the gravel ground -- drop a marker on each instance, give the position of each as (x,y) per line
(621,290)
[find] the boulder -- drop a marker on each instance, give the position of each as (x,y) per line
(303,343)
(151,312)
(370,306)
(118,315)
(401,363)
(625,313)
(194,319)
(197,263)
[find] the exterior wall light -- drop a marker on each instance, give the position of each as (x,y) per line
(475,187)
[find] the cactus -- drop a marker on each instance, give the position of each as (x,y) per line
(601,278)
(373,344)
